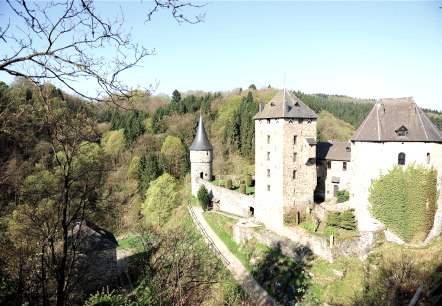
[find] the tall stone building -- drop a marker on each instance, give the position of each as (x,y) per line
(201,157)
(285,167)
(396,132)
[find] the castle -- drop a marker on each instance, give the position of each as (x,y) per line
(292,168)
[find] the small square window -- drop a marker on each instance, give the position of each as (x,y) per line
(268,121)
(268,187)
(300,120)
(295,156)
(344,166)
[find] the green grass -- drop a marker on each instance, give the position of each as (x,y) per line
(223,227)
(131,241)
(331,288)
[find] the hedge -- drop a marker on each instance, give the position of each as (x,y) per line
(405,201)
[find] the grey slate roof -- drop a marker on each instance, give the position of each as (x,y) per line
(285,105)
(92,237)
(201,142)
(389,115)
(340,151)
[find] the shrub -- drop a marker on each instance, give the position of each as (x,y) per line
(345,220)
(228,183)
(343,196)
(242,188)
(203,197)
(405,201)
(248,180)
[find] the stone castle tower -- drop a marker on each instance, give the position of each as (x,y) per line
(285,165)
(201,157)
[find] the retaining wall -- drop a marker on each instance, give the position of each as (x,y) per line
(230,201)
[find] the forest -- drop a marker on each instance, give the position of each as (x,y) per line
(64,159)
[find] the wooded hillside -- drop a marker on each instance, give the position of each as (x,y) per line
(63,160)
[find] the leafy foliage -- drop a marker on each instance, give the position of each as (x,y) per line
(343,196)
(240,130)
(174,156)
(345,219)
(161,199)
(131,121)
(148,170)
(228,183)
(405,201)
(203,197)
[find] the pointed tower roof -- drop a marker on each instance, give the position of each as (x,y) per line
(285,105)
(397,120)
(201,142)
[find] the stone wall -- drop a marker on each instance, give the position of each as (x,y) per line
(100,270)
(295,241)
(230,201)
(200,167)
(337,171)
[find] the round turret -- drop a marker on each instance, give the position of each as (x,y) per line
(201,157)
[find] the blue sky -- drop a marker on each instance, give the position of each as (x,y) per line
(363,49)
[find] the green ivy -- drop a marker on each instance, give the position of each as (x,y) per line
(405,201)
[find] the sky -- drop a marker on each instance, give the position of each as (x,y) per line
(364,49)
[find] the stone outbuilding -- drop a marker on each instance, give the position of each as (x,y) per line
(97,254)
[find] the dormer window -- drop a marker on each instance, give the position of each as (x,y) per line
(296,104)
(347,149)
(272,104)
(401,131)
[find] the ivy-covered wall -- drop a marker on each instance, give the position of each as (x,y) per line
(405,201)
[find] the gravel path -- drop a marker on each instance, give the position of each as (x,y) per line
(236,268)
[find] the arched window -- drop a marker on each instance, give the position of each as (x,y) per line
(401,158)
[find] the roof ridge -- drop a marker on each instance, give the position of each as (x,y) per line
(361,127)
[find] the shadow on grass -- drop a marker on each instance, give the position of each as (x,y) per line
(284,278)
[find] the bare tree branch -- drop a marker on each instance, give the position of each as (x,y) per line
(66,41)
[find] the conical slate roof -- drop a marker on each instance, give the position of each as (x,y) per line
(397,120)
(285,105)
(201,142)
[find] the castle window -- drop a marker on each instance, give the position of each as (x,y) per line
(268,155)
(428,158)
(401,158)
(309,121)
(290,120)
(268,138)
(295,139)
(268,187)
(344,166)
(329,164)
(296,104)
(268,121)
(294,190)
(268,172)
(294,174)
(294,156)
(300,120)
